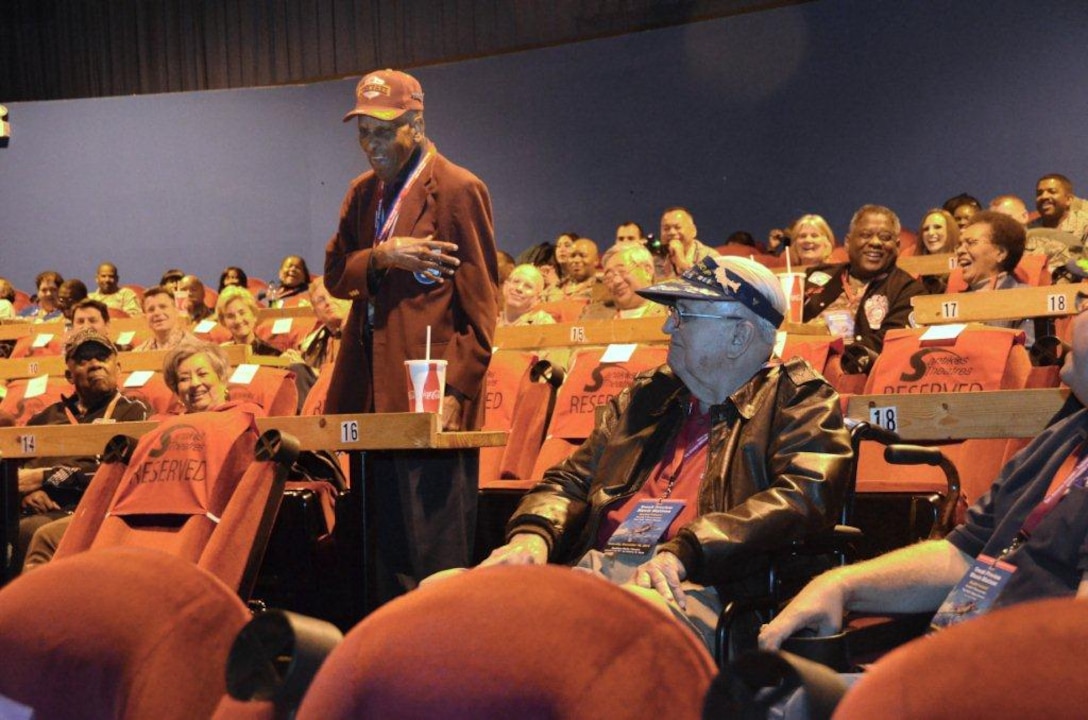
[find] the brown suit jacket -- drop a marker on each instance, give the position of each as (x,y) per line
(452,204)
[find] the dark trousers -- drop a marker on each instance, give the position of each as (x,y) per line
(423,508)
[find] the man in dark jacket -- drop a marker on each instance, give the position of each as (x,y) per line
(702,466)
(861,299)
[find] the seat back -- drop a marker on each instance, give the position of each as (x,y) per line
(38,345)
(151,389)
(200,487)
(464,649)
(26,397)
(125,633)
(980,359)
(284,333)
(272,388)
(565,311)
(591,382)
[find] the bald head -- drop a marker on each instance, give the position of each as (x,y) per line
(1011,206)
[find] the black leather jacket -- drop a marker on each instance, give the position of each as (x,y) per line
(777,470)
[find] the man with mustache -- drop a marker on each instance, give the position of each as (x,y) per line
(860,299)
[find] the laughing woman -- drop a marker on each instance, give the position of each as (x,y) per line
(989,249)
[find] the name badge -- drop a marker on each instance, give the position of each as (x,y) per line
(644,526)
(974,593)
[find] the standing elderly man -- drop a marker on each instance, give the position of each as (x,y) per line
(415,248)
(627,269)
(746,456)
(860,299)
(114,296)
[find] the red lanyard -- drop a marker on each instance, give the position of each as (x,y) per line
(1077,477)
(685,447)
(383,223)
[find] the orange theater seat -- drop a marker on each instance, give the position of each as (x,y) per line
(201,486)
(980,359)
(964,671)
(284,333)
(22,408)
(39,345)
(506,372)
(21,301)
(124,634)
(815,349)
(315,399)
(565,311)
(514,642)
(591,382)
(210,331)
(272,388)
(151,389)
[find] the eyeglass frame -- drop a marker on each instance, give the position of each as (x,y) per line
(678,317)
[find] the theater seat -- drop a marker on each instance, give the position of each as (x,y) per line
(1032,270)
(21,407)
(565,311)
(48,344)
(201,486)
(272,388)
(121,634)
(909,498)
(1019,662)
(514,642)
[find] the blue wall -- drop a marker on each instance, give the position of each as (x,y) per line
(749,121)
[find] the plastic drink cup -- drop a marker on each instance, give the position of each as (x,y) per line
(793,285)
(426,385)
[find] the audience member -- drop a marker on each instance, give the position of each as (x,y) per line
(164,321)
(962,207)
(859,300)
(7,299)
(543,259)
(630,232)
(627,269)
(233,275)
(521,293)
(564,246)
(191,294)
(1033,520)
(424,259)
(1054,199)
(321,345)
(989,249)
(90,313)
(196,372)
(581,280)
(69,293)
(114,296)
(237,312)
(294,284)
(937,234)
(1059,247)
(740,244)
(170,279)
(749,455)
(46,308)
(811,241)
(680,236)
(50,488)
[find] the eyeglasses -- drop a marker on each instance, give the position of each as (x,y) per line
(679,317)
(885,237)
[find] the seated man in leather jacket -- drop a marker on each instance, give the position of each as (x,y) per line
(703,465)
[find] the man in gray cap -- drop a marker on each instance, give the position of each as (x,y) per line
(704,465)
(50,488)
(415,249)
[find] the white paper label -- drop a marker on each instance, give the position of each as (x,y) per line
(243,374)
(139,378)
(36,386)
(618,352)
(282,326)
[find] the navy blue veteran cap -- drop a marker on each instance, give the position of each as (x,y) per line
(709,279)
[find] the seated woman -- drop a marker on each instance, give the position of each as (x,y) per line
(237,312)
(521,293)
(163,319)
(938,233)
(197,373)
(233,275)
(812,241)
(989,248)
(294,285)
(46,308)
